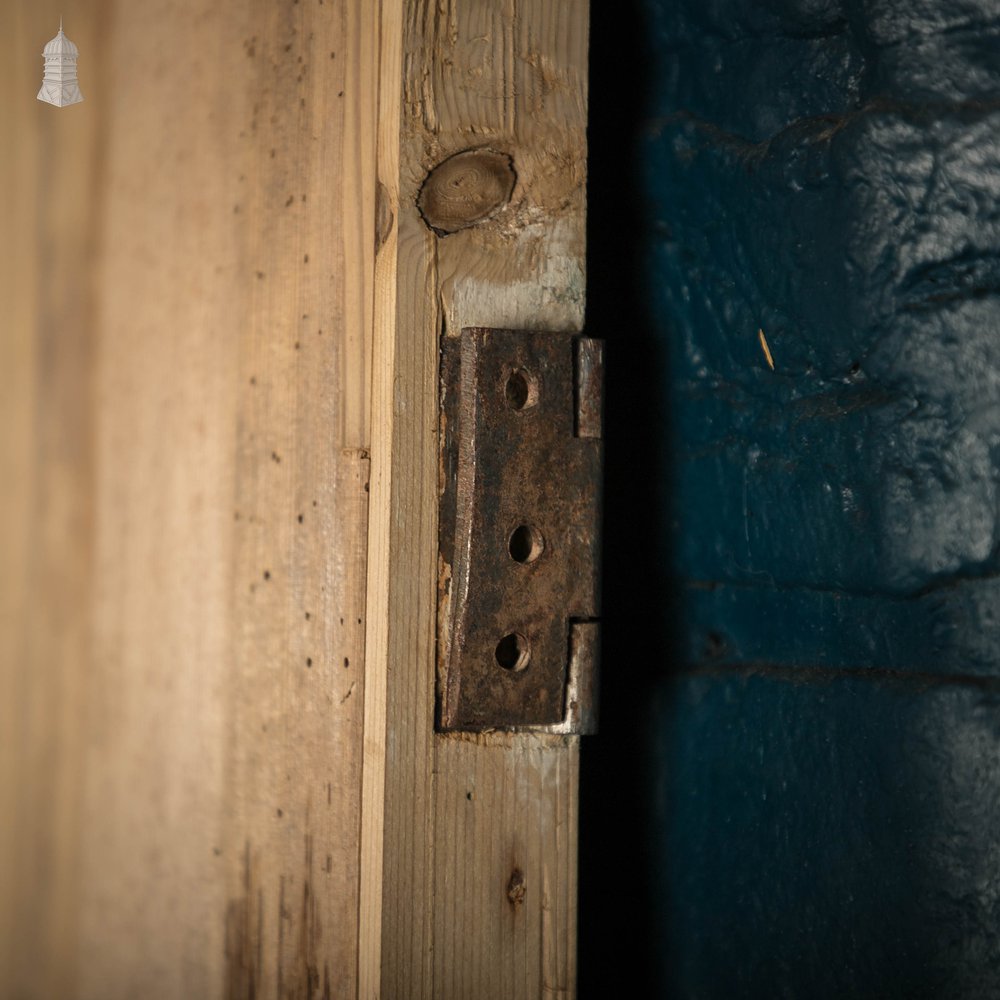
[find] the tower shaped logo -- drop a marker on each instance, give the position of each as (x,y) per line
(59,87)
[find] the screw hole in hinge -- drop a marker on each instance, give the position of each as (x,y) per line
(513,652)
(526,544)
(521,390)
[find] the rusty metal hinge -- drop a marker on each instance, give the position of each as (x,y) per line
(520,511)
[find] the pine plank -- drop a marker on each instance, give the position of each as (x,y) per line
(479,837)
(188,289)
(380,512)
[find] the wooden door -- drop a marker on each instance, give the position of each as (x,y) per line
(219,318)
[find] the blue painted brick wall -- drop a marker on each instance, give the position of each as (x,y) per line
(803,651)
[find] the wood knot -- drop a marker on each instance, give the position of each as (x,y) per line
(466,189)
(516,888)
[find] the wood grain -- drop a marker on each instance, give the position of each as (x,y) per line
(195,756)
(479,849)
(375,734)
(185,356)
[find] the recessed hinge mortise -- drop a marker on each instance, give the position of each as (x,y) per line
(519,537)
